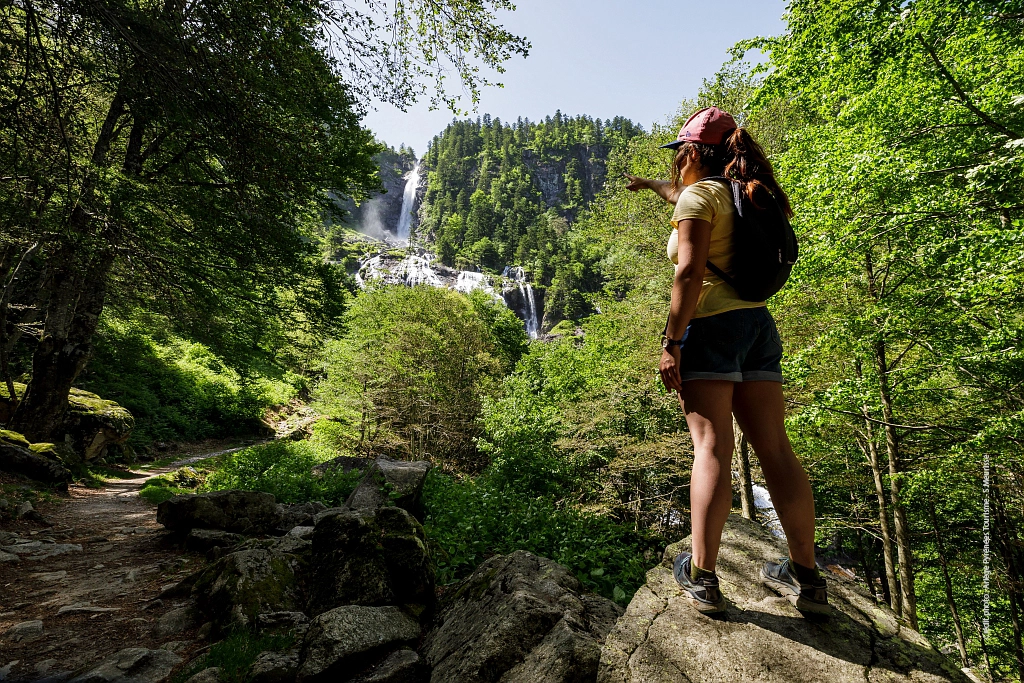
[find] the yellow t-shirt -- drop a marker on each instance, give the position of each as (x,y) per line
(710,200)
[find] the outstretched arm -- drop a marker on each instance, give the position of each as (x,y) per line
(662,188)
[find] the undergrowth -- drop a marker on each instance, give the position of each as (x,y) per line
(470,520)
(235,655)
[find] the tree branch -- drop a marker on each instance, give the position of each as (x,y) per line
(963,95)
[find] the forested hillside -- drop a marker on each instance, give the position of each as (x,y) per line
(503,194)
(177,254)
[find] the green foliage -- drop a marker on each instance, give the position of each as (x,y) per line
(176,388)
(469,520)
(235,655)
(411,372)
(284,468)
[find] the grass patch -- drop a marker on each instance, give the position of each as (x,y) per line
(235,655)
(470,520)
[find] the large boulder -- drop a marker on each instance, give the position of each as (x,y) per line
(390,482)
(35,461)
(243,512)
(91,426)
(345,640)
(375,559)
(762,637)
(236,589)
(519,617)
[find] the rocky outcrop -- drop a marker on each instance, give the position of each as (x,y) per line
(243,512)
(390,482)
(240,586)
(35,461)
(761,637)
(519,617)
(369,559)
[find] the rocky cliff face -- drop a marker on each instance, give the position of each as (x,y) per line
(762,637)
(379,215)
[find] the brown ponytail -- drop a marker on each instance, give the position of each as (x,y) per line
(738,157)
(747,163)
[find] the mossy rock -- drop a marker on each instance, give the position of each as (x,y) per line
(92,425)
(240,586)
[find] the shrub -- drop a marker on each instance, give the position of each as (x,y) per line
(283,468)
(235,655)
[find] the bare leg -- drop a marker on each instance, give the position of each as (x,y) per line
(708,408)
(760,411)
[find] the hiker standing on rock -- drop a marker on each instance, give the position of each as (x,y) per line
(733,247)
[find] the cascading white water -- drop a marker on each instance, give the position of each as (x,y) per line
(467,281)
(416,270)
(412,182)
(518,275)
(763,502)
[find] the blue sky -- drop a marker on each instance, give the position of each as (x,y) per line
(633,58)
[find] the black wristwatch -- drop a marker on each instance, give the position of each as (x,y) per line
(666,343)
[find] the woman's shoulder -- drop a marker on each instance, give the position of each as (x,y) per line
(713,194)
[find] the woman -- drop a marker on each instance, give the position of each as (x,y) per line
(722,355)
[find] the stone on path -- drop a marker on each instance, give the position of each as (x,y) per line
(401,666)
(25,631)
(40,550)
(133,665)
(762,637)
(519,617)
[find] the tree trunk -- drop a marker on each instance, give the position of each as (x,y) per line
(899,513)
(890,587)
(74,289)
(957,626)
(908,597)
(76,295)
(743,461)
(1008,546)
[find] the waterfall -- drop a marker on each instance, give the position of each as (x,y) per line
(467,281)
(518,275)
(412,182)
(763,503)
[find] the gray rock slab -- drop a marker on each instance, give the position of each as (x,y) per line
(344,639)
(520,616)
(6,557)
(201,540)
(369,559)
(174,622)
(401,666)
(396,482)
(762,637)
(41,550)
(274,667)
(133,665)
(210,675)
(244,512)
(25,631)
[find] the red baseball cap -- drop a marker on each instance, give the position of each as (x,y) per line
(709,126)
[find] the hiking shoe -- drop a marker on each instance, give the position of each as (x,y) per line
(702,593)
(806,597)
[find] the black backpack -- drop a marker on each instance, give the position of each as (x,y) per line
(764,244)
